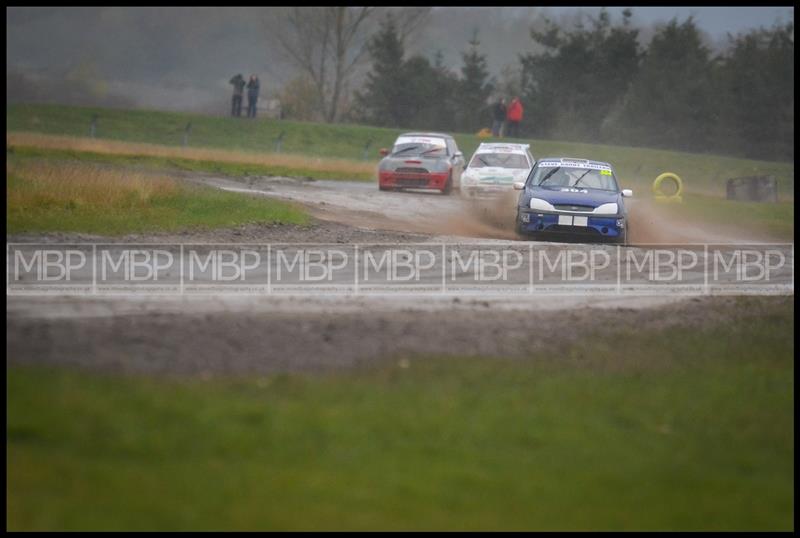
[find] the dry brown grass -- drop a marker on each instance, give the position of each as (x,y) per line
(111,147)
(53,196)
(83,186)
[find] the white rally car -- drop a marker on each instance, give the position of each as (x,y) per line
(494,168)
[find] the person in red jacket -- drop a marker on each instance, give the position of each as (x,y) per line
(513,117)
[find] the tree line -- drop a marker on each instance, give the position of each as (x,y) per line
(595,83)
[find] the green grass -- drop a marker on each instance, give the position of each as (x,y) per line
(682,429)
(89,200)
(773,220)
(152,162)
(637,167)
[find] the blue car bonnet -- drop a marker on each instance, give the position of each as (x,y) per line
(573,195)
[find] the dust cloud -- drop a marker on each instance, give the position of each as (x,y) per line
(654,222)
(649,222)
(434,214)
(486,219)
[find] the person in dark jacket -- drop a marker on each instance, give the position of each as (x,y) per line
(499,113)
(252,95)
(238,89)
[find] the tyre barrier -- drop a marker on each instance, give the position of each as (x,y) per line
(661,196)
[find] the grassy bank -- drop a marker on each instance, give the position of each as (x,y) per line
(690,429)
(218,161)
(76,197)
(638,167)
(773,221)
(769,221)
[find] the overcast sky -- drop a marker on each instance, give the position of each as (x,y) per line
(714,20)
(176,57)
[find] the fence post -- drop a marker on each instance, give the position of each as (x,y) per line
(279,141)
(93,128)
(186,133)
(366,148)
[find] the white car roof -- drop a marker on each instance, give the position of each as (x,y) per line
(497,147)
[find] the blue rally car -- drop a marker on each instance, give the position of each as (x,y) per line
(572,197)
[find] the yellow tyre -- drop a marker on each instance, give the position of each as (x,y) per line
(678,184)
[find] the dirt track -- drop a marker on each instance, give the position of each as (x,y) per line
(361,204)
(267,342)
(229,334)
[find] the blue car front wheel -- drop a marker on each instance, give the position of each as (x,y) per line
(623,238)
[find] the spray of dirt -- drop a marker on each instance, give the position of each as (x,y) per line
(491,218)
(649,222)
(435,214)
(653,222)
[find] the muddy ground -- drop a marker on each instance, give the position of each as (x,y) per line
(226,334)
(233,343)
(428,212)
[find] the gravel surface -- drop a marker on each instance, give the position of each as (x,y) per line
(263,342)
(319,231)
(238,335)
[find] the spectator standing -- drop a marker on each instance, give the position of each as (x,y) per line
(253,88)
(513,117)
(499,113)
(238,89)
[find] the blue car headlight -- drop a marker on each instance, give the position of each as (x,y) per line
(606,209)
(542,205)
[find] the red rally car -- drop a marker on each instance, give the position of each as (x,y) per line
(421,161)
